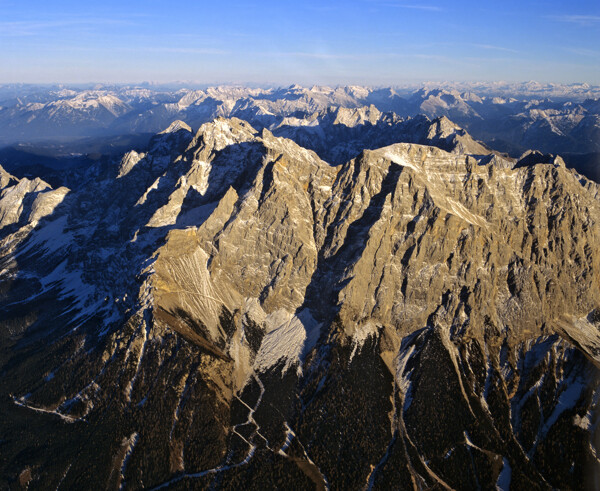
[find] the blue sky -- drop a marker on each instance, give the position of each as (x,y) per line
(374,42)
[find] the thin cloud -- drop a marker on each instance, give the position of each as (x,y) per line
(413,6)
(440,58)
(583,52)
(192,51)
(321,8)
(360,56)
(577,19)
(318,56)
(429,8)
(28,28)
(33,28)
(496,48)
(479,59)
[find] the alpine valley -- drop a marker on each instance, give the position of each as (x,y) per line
(301,289)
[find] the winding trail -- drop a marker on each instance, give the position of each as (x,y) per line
(305,464)
(64,417)
(252,446)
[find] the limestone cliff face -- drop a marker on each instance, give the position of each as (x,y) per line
(25,201)
(467,242)
(259,241)
(398,237)
(229,308)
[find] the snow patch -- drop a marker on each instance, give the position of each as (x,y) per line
(584,422)
(130,442)
(567,400)
(399,159)
(203,171)
(288,337)
(51,238)
(21,402)
(72,286)
(289,436)
(360,336)
(402,376)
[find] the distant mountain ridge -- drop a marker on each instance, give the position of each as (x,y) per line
(509,118)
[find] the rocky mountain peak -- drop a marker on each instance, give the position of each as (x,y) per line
(5,178)
(220,133)
(352,117)
(176,126)
(24,202)
(533,157)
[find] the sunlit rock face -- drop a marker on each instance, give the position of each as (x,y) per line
(226,308)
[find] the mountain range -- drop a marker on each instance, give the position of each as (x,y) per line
(557,119)
(313,289)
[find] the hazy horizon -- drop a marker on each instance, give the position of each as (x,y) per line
(200,85)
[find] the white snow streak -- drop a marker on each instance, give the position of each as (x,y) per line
(288,337)
(402,376)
